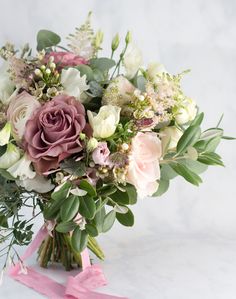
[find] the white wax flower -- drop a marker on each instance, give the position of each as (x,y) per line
(6,85)
(72,82)
(186,112)
(39,184)
(5,134)
(132,60)
(10,157)
(170,137)
(104,123)
(22,169)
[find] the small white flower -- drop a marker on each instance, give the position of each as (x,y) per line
(5,134)
(10,157)
(78,192)
(186,112)
(132,60)
(74,85)
(104,123)
(39,184)
(6,85)
(170,137)
(21,169)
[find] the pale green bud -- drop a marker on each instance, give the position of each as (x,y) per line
(38,73)
(48,71)
(99,39)
(128,37)
(82,136)
(5,134)
(10,157)
(92,144)
(115,42)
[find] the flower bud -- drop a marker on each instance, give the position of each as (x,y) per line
(98,39)
(5,134)
(92,144)
(82,136)
(38,73)
(128,37)
(115,42)
(48,71)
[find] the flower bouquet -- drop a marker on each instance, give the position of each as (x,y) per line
(82,135)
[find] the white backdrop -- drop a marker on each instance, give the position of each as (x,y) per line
(187,225)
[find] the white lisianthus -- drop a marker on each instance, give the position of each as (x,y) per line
(5,134)
(10,157)
(118,92)
(72,82)
(132,60)
(186,112)
(39,184)
(154,69)
(20,111)
(170,137)
(22,169)
(6,85)
(104,123)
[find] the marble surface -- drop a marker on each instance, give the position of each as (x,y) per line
(183,245)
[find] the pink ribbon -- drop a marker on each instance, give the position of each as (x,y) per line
(81,286)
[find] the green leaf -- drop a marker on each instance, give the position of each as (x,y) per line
(140,82)
(109,221)
(126,219)
(186,173)
(193,165)
(87,207)
(91,230)
(132,193)
(46,39)
(3,221)
(212,144)
(163,187)
(79,239)
(88,187)
(71,166)
(6,175)
(98,75)
(65,227)
(129,196)
(189,137)
(69,208)
(62,192)
(228,138)
(107,190)
(85,70)
(198,120)
(102,63)
(210,159)
(99,218)
(95,89)
(211,133)
(167,173)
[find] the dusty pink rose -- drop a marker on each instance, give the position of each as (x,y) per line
(19,112)
(63,59)
(52,134)
(101,154)
(143,169)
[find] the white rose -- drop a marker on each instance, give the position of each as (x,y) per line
(104,123)
(118,92)
(39,184)
(6,85)
(22,169)
(186,112)
(154,69)
(5,134)
(10,157)
(132,60)
(72,82)
(20,111)
(170,137)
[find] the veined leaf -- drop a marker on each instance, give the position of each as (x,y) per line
(102,63)
(186,173)
(46,39)
(109,221)
(65,227)
(87,207)
(210,159)
(70,208)
(189,137)
(162,188)
(79,239)
(126,219)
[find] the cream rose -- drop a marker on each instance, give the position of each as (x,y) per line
(105,122)
(143,169)
(19,112)
(186,112)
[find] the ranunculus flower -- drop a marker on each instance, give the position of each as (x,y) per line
(10,157)
(143,168)
(186,112)
(21,169)
(64,59)
(73,83)
(39,184)
(171,136)
(5,134)
(101,154)
(6,85)
(104,123)
(19,111)
(132,60)
(52,134)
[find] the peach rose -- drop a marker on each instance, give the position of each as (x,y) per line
(144,170)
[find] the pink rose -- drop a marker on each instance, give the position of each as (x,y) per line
(63,59)
(19,112)
(101,154)
(143,169)
(52,134)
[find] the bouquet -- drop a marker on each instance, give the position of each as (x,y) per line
(82,136)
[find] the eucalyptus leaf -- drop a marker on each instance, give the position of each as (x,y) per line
(103,64)
(87,207)
(109,221)
(79,239)
(69,209)
(65,227)
(162,188)
(85,70)
(46,39)
(126,219)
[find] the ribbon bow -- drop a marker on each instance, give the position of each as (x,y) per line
(81,286)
